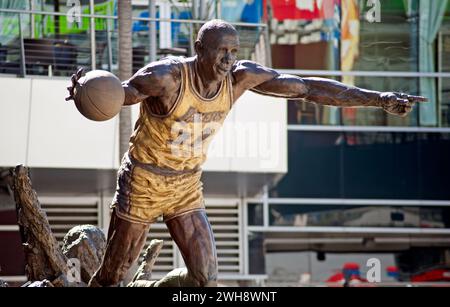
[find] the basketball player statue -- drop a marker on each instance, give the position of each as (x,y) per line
(160,173)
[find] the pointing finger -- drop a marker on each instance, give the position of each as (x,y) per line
(413,98)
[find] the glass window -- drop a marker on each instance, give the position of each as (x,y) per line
(377,116)
(304,268)
(305,113)
(255,214)
(380,165)
(423,264)
(444,42)
(256,253)
(308,113)
(434,167)
(445,100)
(387,39)
(370,38)
(359,216)
(444,66)
(314,166)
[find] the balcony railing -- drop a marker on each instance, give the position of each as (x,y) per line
(26,49)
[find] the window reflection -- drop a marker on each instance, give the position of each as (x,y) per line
(256,253)
(305,113)
(444,66)
(255,214)
(392,43)
(445,98)
(303,268)
(377,116)
(376,165)
(359,216)
(306,268)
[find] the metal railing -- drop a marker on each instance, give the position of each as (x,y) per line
(23,52)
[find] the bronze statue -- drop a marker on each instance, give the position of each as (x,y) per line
(160,173)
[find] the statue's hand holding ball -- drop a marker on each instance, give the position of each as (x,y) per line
(98,95)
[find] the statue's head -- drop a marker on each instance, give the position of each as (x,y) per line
(217,46)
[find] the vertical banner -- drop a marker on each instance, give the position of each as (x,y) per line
(349,48)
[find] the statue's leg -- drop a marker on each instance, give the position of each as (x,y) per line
(194,237)
(125,242)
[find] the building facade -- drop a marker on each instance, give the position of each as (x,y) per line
(361,184)
(297,193)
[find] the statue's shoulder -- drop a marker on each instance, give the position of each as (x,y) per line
(165,64)
(246,75)
(245,69)
(167,69)
(249,72)
(175,59)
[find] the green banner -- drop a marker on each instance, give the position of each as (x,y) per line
(44,25)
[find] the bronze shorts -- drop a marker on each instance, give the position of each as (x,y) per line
(145,192)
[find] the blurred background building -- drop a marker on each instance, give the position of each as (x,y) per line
(297,193)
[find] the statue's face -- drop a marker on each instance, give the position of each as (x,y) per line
(217,54)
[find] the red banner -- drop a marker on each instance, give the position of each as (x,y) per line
(303,9)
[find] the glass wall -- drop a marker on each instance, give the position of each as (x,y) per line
(388,36)
(358,216)
(444,66)
(377,165)
(318,269)
(384,36)
(303,268)
(304,113)
(58,44)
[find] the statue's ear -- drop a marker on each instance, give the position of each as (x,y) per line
(198,47)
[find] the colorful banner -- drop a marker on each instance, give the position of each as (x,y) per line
(350,34)
(242,11)
(303,9)
(349,48)
(44,25)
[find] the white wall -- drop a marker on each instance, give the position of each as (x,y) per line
(54,134)
(14,113)
(39,128)
(252,139)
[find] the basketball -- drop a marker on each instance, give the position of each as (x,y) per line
(99,95)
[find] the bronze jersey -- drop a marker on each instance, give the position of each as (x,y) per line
(179,140)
